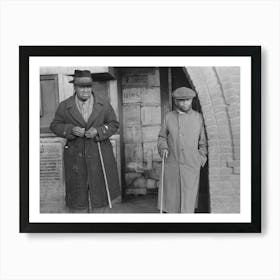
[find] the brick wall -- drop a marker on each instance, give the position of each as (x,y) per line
(218,90)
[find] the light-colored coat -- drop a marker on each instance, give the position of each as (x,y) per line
(183,135)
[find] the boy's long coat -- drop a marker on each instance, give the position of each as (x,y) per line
(183,135)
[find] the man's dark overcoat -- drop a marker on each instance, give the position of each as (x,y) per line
(83,170)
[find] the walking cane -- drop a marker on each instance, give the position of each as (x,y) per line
(162,178)
(104,174)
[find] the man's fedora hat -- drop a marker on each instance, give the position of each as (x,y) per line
(183,93)
(82,78)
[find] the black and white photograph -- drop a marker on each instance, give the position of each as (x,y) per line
(140,142)
(177,134)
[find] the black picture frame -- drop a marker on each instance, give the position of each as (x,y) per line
(254,52)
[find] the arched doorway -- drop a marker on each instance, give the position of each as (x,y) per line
(218,91)
(144,98)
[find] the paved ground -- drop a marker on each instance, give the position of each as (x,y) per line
(130,204)
(136,204)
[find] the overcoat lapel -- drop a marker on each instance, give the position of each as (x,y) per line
(73,110)
(96,109)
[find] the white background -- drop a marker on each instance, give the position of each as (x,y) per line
(245,132)
(139,256)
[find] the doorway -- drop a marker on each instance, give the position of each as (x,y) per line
(144,98)
(140,121)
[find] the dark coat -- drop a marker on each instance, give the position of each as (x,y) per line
(83,170)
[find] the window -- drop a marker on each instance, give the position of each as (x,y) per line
(49,100)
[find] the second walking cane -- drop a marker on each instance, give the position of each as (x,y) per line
(104,174)
(162,181)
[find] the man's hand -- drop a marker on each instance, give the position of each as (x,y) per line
(91,133)
(164,153)
(78,131)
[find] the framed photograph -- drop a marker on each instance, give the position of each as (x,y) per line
(140,139)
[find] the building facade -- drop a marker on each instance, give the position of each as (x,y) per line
(140,97)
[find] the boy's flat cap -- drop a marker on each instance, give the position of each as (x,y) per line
(183,93)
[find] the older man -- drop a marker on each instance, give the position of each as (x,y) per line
(182,140)
(85,119)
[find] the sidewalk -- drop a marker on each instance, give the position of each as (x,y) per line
(130,204)
(136,204)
